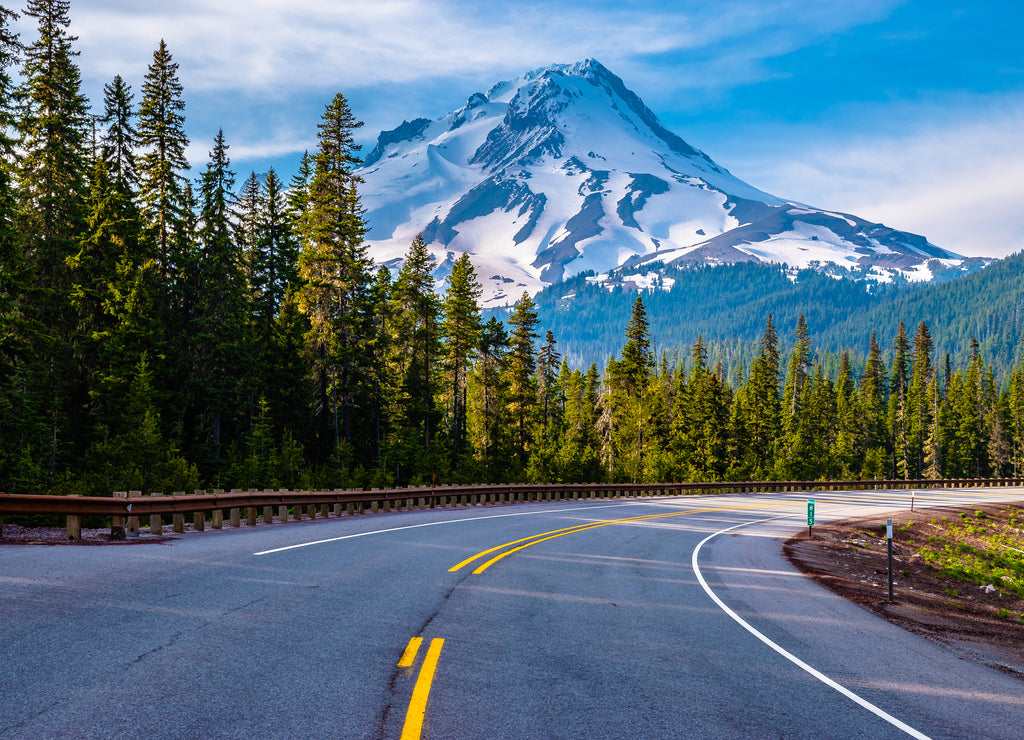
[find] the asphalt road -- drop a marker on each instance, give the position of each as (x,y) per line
(645,620)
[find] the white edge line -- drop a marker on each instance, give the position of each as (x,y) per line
(782,651)
(434,524)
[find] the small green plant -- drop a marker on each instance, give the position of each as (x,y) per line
(951,592)
(1003,613)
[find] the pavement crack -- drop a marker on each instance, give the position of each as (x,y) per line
(400,673)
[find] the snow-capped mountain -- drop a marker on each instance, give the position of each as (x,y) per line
(565,169)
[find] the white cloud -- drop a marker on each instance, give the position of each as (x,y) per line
(266,46)
(950,174)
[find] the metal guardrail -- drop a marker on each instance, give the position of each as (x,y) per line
(125,508)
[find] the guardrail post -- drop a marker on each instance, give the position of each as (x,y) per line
(117,522)
(217,515)
(156,522)
(178,518)
(268,513)
(236,515)
(73,526)
(282,509)
(132,526)
(250,512)
(199,517)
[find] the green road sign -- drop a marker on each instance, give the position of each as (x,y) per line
(810,512)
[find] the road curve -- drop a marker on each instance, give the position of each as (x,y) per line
(638,618)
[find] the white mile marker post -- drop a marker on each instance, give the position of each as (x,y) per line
(888,539)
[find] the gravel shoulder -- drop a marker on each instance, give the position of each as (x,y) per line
(979,621)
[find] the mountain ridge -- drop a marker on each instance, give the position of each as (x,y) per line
(565,169)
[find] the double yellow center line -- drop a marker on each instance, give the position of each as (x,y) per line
(413,728)
(522,544)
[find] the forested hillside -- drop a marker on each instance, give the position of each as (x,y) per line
(727,305)
(164,330)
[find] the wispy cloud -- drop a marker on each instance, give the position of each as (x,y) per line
(950,173)
(269,47)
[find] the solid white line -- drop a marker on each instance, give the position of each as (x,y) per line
(434,524)
(786,654)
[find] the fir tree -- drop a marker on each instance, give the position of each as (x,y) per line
(335,273)
(161,134)
(13,331)
(919,406)
(120,139)
(416,335)
(216,348)
(763,407)
(460,329)
(873,428)
(522,382)
(898,421)
(846,451)
(488,427)
(53,125)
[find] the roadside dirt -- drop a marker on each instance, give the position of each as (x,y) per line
(850,558)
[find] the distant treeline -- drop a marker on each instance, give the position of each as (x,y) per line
(727,305)
(161,333)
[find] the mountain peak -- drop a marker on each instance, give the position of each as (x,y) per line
(565,169)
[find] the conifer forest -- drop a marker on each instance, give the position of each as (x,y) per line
(164,328)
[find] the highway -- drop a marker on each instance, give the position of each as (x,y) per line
(630,618)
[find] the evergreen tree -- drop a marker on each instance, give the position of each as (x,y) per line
(120,139)
(874,435)
(215,349)
(335,273)
(104,274)
(489,427)
(701,422)
(53,125)
(578,458)
(794,398)
(161,134)
(522,382)
(933,441)
(637,358)
(763,407)
(846,452)
(1015,417)
(919,403)
(632,404)
(460,328)
(416,336)
(13,334)
(898,412)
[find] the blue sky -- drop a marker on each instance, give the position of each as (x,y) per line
(906,112)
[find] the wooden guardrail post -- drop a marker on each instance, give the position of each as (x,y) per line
(132,525)
(250,512)
(178,518)
(117,522)
(235,513)
(199,517)
(73,526)
(156,523)
(268,513)
(217,517)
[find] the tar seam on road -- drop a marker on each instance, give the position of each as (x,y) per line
(413,728)
(782,651)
